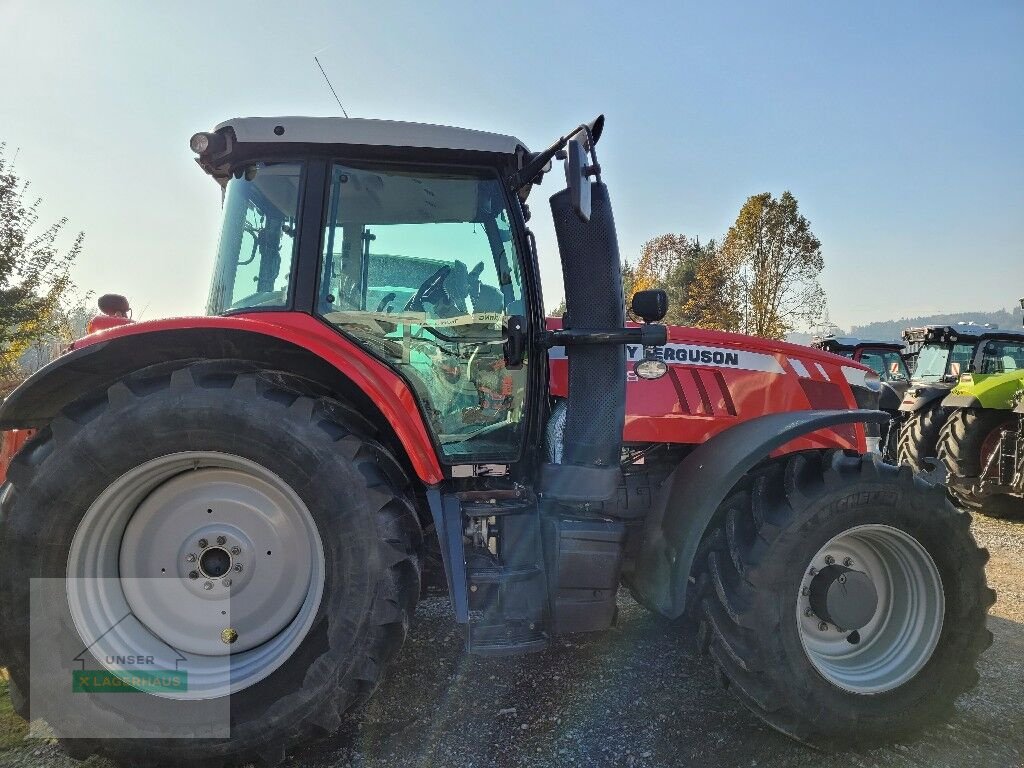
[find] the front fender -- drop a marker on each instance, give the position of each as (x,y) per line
(892,395)
(919,396)
(691,495)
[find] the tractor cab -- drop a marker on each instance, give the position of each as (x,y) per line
(422,263)
(945,352)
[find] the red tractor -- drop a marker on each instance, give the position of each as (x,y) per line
(233,510)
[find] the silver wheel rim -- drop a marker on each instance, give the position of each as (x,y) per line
(901,636)
(205,560)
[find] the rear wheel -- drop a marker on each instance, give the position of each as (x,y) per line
(967,449)
(218,521)
(919,436)
(846,602)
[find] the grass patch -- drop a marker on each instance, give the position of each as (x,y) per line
(12,727)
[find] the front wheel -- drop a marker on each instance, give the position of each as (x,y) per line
(968,449)
(846,602)
(239,554)
(919,436)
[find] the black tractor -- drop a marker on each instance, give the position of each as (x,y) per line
(889,360)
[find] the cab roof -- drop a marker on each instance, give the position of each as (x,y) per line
(357,131)
(828,343)
(960,331)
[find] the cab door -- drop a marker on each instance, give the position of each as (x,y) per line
(421,267)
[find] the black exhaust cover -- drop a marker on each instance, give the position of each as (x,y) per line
(596,404)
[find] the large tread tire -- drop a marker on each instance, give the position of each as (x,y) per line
(353,487)
(919,436)
(961,443)
(777,522)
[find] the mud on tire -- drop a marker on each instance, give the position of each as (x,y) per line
(352,487)
(749,606)
(966,435)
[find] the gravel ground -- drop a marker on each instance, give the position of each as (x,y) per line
(636,696)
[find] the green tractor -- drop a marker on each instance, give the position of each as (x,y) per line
(944,353)
(977,443)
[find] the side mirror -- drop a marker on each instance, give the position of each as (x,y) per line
(577,178)
(650,305)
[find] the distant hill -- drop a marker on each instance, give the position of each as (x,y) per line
(886,330)
(891,329)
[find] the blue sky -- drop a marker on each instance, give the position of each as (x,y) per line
(898,126)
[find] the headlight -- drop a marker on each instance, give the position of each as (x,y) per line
(206,143)
(650,369)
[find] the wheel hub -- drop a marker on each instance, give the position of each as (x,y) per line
(870,608)
(215,562)
(219,511)
(208,562)
(843,597)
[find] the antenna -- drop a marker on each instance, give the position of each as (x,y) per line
(330,86)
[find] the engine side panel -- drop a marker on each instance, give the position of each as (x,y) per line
(716,380)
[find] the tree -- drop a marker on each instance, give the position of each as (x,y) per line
(778,260)
(713,297)
(34,271)
(665,262)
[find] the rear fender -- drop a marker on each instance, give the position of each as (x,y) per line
(691,495)
(286,341)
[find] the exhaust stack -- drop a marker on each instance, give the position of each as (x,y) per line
(596,406)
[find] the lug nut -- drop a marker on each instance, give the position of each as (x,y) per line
(805,591)
(190,557)
(222,540)
(193,574)
(226,582)
(809,612)
(813,571)
(822,626)
(228,636)
(829,560)
(207,585)
(848,561)
(236,550)
(203,543)
(238,567)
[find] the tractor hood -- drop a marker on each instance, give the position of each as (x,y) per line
(717,379)
(986,390)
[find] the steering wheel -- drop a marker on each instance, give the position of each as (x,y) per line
(383,305)
(431,290)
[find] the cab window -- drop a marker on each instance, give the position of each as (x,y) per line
(1002,356)
(257,241)
(887,364)
(420,267)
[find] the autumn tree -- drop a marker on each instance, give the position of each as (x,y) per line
(34,271)
(665,262)
(778,260)
(713,298)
